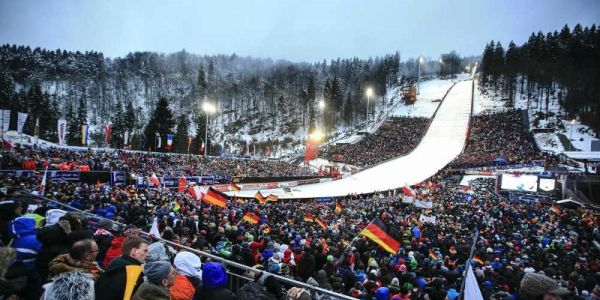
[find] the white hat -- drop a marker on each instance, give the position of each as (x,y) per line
(53,215)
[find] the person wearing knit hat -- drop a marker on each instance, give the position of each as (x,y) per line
(536,285)
(160,277)
(214,283)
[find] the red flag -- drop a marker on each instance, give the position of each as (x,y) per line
(108,132)
(155,180)
(182,184)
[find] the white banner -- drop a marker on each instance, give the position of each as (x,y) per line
(423,204)
(126,138)
(407,199)
(62,131)
(5,116)
(427,219)
(22,117)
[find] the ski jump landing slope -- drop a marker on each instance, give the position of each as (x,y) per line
(443,141)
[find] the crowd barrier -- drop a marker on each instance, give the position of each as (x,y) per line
(234,269)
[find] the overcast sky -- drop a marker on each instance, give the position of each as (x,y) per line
(303,30)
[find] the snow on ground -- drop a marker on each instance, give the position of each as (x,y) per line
(581,136)
(448,131)
(428,99)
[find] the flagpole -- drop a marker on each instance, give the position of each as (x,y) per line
(462,286)
(356,237)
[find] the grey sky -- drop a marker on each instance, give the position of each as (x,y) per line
(306,30)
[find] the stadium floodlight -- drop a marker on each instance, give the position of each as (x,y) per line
(317,135)
(572,125)
(208,109)
(322,104)
(369,93)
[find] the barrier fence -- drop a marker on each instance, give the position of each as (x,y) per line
(234,269)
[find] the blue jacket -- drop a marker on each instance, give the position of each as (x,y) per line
(23,232)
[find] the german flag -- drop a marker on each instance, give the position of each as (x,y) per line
(432,255)
(234,187)
(251,218)
(478,260)
(555,208)
(214,198)
(272,198)
(338,207)
(261,199)
(240,200)
(177,206)
(321,223)
(309,218)
(383,235)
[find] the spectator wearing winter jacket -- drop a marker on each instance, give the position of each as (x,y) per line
(189,273)
(23,232)
(214,282)
(124,274)
(103,237)
(70,285)
(54,239)
(114,250)
(81,257)
(160,277)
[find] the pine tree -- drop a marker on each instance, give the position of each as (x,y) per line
(72,128)
(181,138)
(160,122)
(118,125)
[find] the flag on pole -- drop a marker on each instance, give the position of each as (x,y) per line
(408,194)
(321,223)
(158,141)
(169,141)
(154,229)
(177,206)
(155,180)
(182,184)
(555,209)
(338,207)
(235,187)
(189,143)
(197,192)
(472,291)
(383,235)
(251,218)
(22,117)
(43,183)
(126,138)
(478,260)
(261,199)
(272,198)
(84,134)
(309,218)
(36,130)
(62,131)
(201,149)
(5,115)
(108,132)
(208,195)
(432,255)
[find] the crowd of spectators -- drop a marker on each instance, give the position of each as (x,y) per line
(396,137)
(524,250)
(498,138)
(144,163)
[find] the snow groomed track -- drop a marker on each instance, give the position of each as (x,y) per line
(443,141)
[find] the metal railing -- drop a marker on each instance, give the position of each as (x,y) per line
(236,281)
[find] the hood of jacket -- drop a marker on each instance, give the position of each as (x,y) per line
(22,226)
(188,264)
(213,275)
